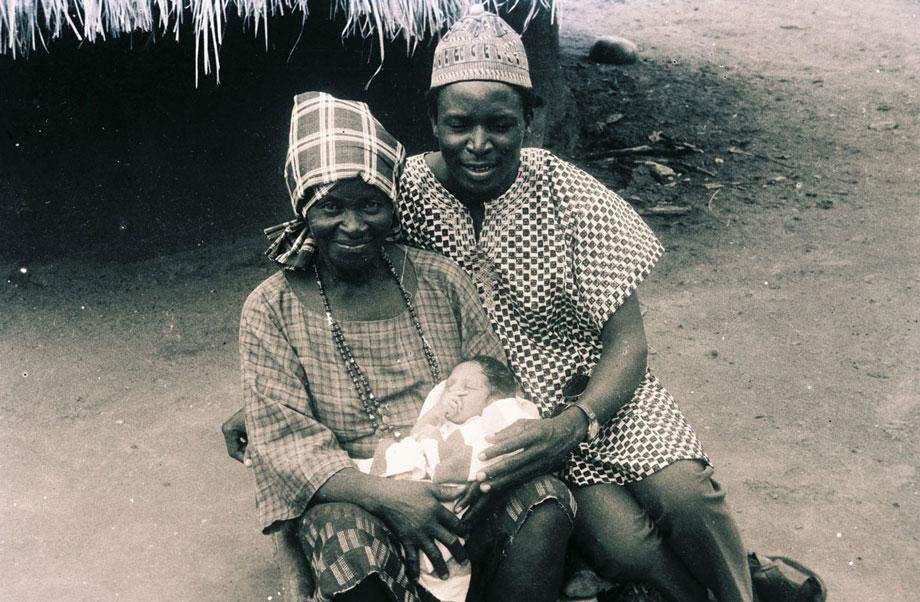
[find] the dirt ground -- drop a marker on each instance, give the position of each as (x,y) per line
(784,318)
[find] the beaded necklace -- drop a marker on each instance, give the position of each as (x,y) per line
(376,411)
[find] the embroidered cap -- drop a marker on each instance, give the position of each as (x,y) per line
(480,46)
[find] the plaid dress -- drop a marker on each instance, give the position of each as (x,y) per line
(303,418)
(305,422)
(558,253)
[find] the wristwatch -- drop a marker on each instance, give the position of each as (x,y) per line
(593,425)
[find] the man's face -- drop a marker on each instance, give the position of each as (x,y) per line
(480,128)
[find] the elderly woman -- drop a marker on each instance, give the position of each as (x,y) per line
(556,259)
(338,351)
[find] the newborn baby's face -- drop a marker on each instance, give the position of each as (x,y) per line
(466,392)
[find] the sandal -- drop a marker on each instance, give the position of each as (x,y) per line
(781,579)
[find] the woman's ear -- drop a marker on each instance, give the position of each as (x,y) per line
(434,125)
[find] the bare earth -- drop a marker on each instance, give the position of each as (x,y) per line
(784,319)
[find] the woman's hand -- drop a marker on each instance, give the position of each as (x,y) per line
(234,430)
(414,512)
(544,446)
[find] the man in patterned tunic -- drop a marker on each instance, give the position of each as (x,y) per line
(556,258)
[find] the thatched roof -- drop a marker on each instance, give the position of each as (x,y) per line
(27,24)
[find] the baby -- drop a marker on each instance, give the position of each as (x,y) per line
(478,398)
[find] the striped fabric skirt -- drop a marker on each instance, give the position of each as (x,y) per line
(344,544)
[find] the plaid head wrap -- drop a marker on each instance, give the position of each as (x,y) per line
(330,140)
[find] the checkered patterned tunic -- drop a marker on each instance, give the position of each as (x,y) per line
(303,417)
(558,253)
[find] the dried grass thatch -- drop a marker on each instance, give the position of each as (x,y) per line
(26,24)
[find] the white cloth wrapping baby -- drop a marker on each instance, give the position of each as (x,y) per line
(418,459)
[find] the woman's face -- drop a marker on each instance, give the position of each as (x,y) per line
(480,128)
(350,223)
